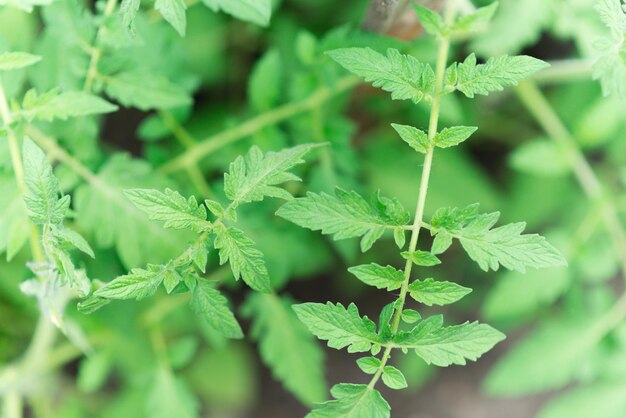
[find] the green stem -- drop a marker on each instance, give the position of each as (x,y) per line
(418,223)
(209,145)
(96,52)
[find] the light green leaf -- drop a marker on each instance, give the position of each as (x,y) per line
(416,138)
(173,11)
(287,347)
(473,22)
(443,346)
(369,365)
(421,258)
(345,215)
(504,245)
(42,195)
(352,400)
(432,292)
(255,176)
(495,74)
(246,261)
(431,21)
(105,214)
(138,284)
(393,378)
(340,326)
(410,316)
(16,60)
(255,11)
(541,157)
(378,276)
(170,208)
(602,400)
(145,91)
(14,223)
(450,137)
(266,82)
(128,10)
(401,75)
(169,397)
(209,304)
(52,105)
(74,239)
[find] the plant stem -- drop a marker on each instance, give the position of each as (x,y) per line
(209,145)
(442,58)
(96,52)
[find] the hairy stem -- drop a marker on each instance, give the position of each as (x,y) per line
(96,52)
(210,145)
(442,58)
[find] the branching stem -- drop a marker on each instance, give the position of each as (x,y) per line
(96,52)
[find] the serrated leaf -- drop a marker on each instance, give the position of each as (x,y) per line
(255,11)
(449,137)
(75,240)
(245,260)
(401,75)
(171,208)
(173,11)
(416,138)
(171,278)
(504,245)
(340,326)
(255,176)
(430,20)
(444,346)
(369,365)
(52,105)
(378,276)
(421,258)
(42,195)
(128,10)
(393,378)
(345,215)
(113,221)
(284,343)
(210,305)
(16,60)
(473,22)
(138,284)
(145,91)
(432,292)
(495,74)
(352,400)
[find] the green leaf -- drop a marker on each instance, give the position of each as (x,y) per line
(450,137)
(266,82)
(173,11)
(209,304)
(393,378)
(540,362)
(352,400)
(416,138)
(52,105)
(287,347)
(369,365)
(432,292)
(443,346)
(541,157)
(495,74)
(340,326)
(504,245)
(14,222)
(246,261)
(421,258)
(74,239)
(345,215)
(255,11)
(16,60)
(170,208)
(612,15)
(169,396)
(602,399)
(105,214)
(42,187)
(138,284)
(473,22)
(410,316)
(401,75)
(255,176)
(128,10)
(145,91)
(430,20)
(378,276)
